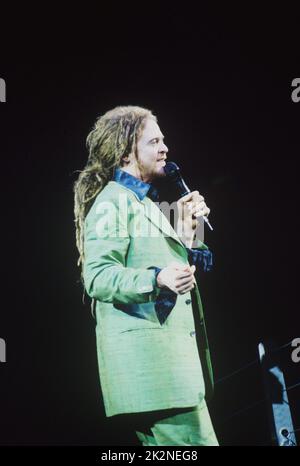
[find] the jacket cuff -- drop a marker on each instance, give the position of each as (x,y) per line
(165,301)
(156,270)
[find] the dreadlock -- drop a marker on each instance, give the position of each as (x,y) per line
(114,135)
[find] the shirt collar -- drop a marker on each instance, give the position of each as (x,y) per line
(139,187)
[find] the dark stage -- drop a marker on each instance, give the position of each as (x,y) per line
(221,87)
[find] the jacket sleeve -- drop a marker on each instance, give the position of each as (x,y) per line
(106,276)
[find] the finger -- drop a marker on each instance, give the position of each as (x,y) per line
(182,272)
(196,203)
(199,213)
(185,290)
(190,272)
(184,283)
(193,278)
(186,198)
(197,206)
(183,276)
(197,196)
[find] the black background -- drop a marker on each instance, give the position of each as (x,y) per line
(220,84)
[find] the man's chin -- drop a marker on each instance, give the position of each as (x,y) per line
(160,172)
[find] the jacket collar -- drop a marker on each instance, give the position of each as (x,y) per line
(139,187)
(144,192)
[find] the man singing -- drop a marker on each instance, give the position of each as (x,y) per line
(140,273)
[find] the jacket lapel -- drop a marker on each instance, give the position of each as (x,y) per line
(155,215)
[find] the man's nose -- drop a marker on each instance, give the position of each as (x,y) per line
(164,148)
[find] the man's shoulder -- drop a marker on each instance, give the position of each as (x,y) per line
(113,191)
(114,196)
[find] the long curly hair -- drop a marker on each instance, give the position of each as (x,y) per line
(114,135)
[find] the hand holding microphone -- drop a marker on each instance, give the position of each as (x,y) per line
(194,200)
(190,207)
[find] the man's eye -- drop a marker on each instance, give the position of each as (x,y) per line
(155,141)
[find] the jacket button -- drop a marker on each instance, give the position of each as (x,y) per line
(188,301)
(192,334)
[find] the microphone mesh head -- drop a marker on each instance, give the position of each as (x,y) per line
(174,176)
(171,168)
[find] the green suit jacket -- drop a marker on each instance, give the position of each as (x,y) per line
(143,365)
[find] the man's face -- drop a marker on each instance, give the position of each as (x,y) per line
(152,153)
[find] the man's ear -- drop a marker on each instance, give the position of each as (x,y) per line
(126,159)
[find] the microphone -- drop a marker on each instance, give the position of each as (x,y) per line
(172,171)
